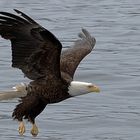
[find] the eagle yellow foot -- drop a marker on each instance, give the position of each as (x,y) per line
(21,128)
(34,130)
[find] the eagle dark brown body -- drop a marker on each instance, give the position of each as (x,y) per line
(39,94)
(37,52)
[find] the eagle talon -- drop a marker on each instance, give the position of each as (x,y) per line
(34,130)
(21,128)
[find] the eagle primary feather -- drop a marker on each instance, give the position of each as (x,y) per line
(37,52)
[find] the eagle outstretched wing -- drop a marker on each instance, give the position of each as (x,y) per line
(70,58)
(35,50)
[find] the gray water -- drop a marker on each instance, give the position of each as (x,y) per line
(114,65)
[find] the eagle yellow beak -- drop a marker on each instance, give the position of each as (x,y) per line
(94,88)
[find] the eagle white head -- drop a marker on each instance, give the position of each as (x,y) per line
(77,88)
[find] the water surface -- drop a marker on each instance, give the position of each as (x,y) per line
(114,65)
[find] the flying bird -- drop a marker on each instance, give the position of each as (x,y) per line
(37,53)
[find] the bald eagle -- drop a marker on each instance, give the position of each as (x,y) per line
(37,52)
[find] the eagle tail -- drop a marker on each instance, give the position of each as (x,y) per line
(17,92)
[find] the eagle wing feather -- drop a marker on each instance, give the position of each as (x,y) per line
(35,50)
(71,57)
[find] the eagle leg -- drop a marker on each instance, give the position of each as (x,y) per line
(29,108)
(34,130)
(21,128)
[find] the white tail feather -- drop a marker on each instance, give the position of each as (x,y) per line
(17,92)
